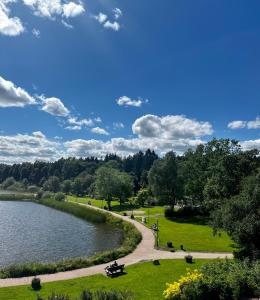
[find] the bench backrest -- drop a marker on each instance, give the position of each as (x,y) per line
(115,268)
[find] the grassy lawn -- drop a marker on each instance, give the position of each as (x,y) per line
(145,280)
(116,205)
(193,233)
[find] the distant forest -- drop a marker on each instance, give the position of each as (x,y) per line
(215,170)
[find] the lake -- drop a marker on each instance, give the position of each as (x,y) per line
(30,232)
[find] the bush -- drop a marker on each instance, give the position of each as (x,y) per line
(59,196)
(47,195)
(36,284)
(226,280)
(32,189)
(96,295)
(168,212)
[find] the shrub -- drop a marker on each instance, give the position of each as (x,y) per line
(226,280)
(174,290)
(47,195)
(59,196)
(36,284)
(168,212)
(32,189)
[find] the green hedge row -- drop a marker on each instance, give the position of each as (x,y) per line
(131,238)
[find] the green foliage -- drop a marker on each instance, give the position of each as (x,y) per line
(225,280)
(59,196)
(96,295)
(143,197)
(163,179)
(131,238)
(52,184)
(16,197)
(111,183)
(240,217)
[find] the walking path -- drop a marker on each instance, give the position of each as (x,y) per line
(145,251)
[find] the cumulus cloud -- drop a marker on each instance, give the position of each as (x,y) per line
(170,127)
(250,144)
(54,106)
(127,101)
(117,13)
(24,147)
(108,24)
(112,25)
(11,26)
(53,8)
(72,9)
(101,18)
(237,124)
(13,96)
(99,130)
(255,124)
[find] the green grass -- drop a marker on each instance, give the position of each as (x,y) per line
(193,233)
(145,280)
(115,205)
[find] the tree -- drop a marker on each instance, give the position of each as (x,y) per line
(66,186)
(111,183)
(240,217)
(52,184)
(142,197)
(163,179)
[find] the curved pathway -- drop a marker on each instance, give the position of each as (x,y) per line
(145,251)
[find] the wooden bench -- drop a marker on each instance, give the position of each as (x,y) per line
(112,270)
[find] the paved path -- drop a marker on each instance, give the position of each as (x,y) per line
(144,252)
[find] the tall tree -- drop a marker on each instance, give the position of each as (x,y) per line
(163,179)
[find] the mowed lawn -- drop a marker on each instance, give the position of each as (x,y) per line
(193,233)
(145,280)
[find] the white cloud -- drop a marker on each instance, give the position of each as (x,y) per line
(13,96)
(237,124)
(54,106)
(112,25)
(66,24)
(118,125)
(250,144)
(52,8)
(170,127)
(101,18)
(117,13)
(98,130)
(36,33)
(74,128)
(126,101)
(11,26)
(24,147)
(255,124)
(108,24)
(72,9)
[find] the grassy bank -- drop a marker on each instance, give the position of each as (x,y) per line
(145,280)
(131,238)
(16,197)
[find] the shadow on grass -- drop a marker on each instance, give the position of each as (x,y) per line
(124,207)
(195,220)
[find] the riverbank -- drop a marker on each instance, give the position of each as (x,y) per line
(131,238)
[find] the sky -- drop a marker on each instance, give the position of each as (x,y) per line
(82,78)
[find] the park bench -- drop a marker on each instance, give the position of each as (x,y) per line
(112,270)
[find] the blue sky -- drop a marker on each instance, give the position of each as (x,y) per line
(90,77)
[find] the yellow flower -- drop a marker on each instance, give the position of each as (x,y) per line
(173,290)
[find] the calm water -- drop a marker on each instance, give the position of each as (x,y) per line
(31,232)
